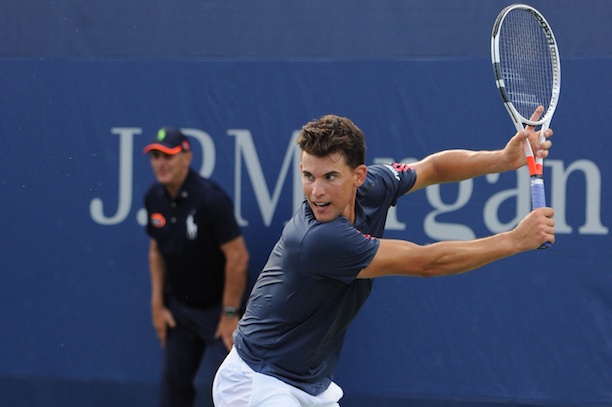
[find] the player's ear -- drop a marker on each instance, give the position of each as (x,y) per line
(360,175)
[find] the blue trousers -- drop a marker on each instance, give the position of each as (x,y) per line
(185,346)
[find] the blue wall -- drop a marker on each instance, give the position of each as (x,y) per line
(83,88)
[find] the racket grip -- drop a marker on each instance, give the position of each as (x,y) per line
(538,199)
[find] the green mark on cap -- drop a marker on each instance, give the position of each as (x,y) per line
(161,135)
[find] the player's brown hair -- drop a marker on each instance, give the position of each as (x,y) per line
(334,134)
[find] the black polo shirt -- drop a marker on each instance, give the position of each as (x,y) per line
(189,231)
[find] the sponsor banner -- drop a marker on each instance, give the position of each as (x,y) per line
(75,284)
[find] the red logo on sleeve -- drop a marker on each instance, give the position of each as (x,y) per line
(402,167)
(367,236)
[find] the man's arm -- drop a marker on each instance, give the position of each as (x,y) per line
(458,165)
(398,257)
(162,318)
(236,272)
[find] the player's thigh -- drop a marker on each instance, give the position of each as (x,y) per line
(268,396)
(233,383)
(269,391)
(236,384)
(278,401)
(287,396)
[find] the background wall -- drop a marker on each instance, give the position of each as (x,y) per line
(84,87)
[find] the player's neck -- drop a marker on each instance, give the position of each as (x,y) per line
(350,212)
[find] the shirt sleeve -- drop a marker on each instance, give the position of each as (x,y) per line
(336,250)
(401,176)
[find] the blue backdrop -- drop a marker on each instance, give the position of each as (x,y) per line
(84,87)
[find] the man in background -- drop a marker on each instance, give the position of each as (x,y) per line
(198,262)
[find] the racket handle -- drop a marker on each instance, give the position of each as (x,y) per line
(538,199)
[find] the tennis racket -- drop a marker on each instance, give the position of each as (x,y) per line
(528,75)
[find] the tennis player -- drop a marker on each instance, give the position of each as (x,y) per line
(321,271)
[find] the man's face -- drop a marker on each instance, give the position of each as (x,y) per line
(170,170)
(330,185)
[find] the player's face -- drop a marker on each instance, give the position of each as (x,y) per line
(330,186)
(170,170)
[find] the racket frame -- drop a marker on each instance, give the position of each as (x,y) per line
(535,164)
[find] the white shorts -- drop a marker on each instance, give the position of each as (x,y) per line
(237,385)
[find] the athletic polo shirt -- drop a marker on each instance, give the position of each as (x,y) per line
(308,294)
(189,230)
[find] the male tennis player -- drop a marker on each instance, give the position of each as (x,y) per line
(321,271)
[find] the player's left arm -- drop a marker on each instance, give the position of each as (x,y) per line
(458,165)
(236,273)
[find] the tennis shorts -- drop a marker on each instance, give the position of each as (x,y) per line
(237,385)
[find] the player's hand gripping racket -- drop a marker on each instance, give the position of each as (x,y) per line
(528,75)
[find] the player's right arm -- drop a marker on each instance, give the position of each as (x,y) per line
(399,257)
(162,318)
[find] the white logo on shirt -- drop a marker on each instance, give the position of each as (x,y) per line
(394,171)
(192,228)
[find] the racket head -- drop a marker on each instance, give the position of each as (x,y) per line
(526,63)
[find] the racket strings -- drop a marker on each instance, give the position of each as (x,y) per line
(526,62)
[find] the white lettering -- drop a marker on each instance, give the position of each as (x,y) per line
(208,150)
(267,204)
(592,177)
(126,146)
(521,193)
(442,230)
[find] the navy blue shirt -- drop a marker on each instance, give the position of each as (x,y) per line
(308,294)
(189,231)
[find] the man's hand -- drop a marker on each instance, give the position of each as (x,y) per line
(537,228)
(226,329)
(162,321)
(514,152)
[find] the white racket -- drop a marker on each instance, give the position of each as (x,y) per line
(528,75)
